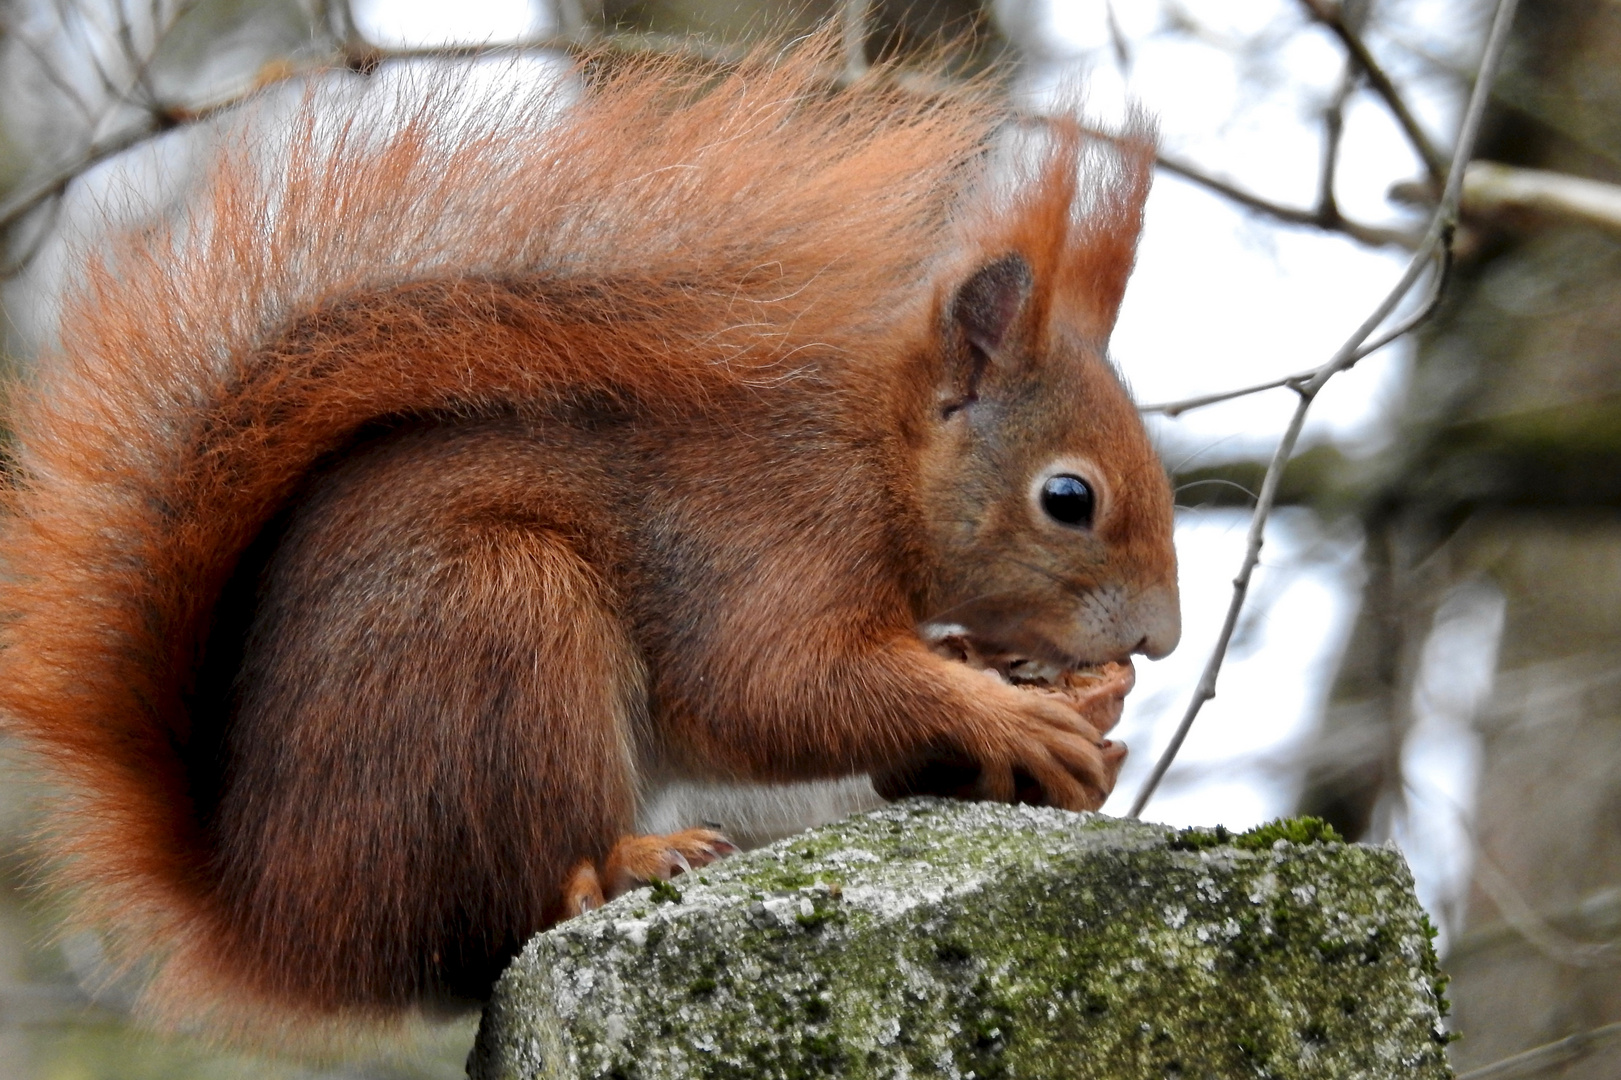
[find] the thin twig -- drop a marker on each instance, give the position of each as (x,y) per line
(1420,316)
(1437,240)
(1174,409)
(161,29)
(358,55)
(31,194)
(853,28)
(91,50)
(1330,16)
(15,264)
(1117,37)
(1532,927)
(1328,218)
(1597,911)
(124,35)
(1542,1058)
(47,69)
(1333,132)
(1525,921)
(1298,380)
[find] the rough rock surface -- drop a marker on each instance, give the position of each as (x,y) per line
(940,939)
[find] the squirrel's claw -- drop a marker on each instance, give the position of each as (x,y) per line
(583,892)
(637,860)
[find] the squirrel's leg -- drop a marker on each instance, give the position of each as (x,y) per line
(842,701)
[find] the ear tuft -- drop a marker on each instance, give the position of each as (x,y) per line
(989,303)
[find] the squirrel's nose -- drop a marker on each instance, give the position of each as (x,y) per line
(1117,622)
(1159,618)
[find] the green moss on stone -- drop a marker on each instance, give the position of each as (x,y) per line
(1439,980)
(1300,830)
(1197,839)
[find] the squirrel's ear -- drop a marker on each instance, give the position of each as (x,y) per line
(985,313)
(990,302)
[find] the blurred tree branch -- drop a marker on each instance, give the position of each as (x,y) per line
(1436,245)
(1491,190)
(1581,923)
(854,30)
(1331,15)
(1301,380)
(1325,216)
(1489,195)
(1531,926)
(351,52)
(1544,1058)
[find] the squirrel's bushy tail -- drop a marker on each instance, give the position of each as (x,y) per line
(667,235)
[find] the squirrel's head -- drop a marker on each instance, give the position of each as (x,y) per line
(1049,513)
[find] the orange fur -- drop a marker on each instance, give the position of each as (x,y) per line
(379,532)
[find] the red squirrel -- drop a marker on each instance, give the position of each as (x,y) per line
(383,533)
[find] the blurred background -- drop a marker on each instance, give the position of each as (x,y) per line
(1429,655)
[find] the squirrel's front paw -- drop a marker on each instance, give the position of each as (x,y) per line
(638,860)
(1049,754)
(1041,748)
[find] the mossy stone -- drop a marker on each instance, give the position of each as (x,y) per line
(939,939)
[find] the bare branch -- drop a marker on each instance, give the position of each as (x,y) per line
(1542,1058)
(1333,132)
(571,17)
(1297,381)
(1117,37)
(48,69)
(1437,241)
(1520,918)
(1419,317)
(125,36)
(142,75)
(1174,409)
(31,193)
(1531,926)
(1598,910)
(14,265)
(355,54)
(1330,16)
(88,44)
(1490,189)
(358,55)
(853,27)
(1327,218)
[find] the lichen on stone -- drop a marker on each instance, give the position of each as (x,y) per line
(940,939)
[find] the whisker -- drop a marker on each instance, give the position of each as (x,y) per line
(1219,481)
(1068,586)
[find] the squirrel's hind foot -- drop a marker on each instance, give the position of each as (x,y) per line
(638,860)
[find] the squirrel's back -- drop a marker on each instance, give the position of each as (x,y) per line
(670,239)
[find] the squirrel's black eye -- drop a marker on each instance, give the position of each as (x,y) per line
(1068,500)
